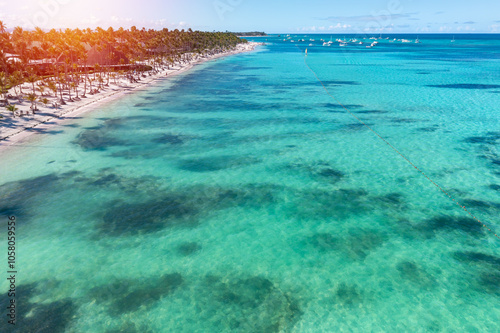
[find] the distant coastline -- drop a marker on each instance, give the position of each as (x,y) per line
(250,34)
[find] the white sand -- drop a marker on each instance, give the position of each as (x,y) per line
(13,129)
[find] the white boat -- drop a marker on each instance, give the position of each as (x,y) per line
(343,44)
(453,40)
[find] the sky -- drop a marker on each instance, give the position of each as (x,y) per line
(271,16)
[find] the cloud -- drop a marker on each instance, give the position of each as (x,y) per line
(470,22)
(338,26)
(403,26)
(367,18)
(439,13)
(467,28)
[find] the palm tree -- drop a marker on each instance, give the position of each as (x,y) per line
(52,86)
(45,101)
(32,98)
(4,80)
(12,108)
(32,79)
(3,28)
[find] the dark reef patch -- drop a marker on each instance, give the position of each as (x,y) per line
(171,139)
(336,204)
(152,216)
(17,198)
(252,304)
(105,178)
(321,171)
(146,295)
(110,179)
(478,258)
(348,295)
(412,272)
(371,112)
(355,245)
(491,138)
(356,127)
(325,242)
(481,204)
(444,223)
(361,243)
(43,317)
(330,174)
(187,249)
(490,282)
(181,208)
(428,129)
(465,86)
(392,201)
(494,187)
(404,120)
(97,139)
(340,83)
(486,270)
(216,163)
(126,296)
(340,107)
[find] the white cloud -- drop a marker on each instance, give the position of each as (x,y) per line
(338,27)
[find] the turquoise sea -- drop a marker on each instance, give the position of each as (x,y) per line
(240,197)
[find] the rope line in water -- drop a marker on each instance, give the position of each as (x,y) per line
(397,151)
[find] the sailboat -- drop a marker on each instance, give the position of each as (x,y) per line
(453,40)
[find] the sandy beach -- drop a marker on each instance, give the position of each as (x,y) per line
(18,127)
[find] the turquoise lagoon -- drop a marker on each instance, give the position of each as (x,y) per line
(239,197)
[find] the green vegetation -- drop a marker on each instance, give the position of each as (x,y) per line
(55,63)
(251,34)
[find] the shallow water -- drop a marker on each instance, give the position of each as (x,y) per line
(240,197)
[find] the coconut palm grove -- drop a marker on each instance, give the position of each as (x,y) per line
(58,62)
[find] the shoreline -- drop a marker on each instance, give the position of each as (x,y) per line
(15,130)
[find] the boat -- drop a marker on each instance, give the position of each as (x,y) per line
(343,44)
(453,40)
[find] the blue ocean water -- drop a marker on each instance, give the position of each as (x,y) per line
(240,197)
